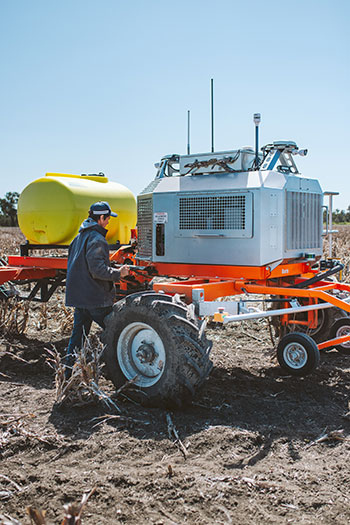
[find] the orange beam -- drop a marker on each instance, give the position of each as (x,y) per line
(317,293)
(7,274)
(212,290)
(209,271)
(12,273)
(334,342)
(180,270)
(58,263)
(285,270)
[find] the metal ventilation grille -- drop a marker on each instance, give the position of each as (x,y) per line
(304,220)
(151,187)
(213,213)
(144,227)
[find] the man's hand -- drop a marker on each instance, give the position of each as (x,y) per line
(124,271)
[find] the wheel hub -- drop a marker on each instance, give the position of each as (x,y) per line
(146,352)
(344,330)
(295,355)
(141,353)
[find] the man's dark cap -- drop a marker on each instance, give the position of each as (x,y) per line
(102,208)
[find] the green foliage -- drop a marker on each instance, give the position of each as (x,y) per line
(8,209)
(339,216)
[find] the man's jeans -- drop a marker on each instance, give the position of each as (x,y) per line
(83,318)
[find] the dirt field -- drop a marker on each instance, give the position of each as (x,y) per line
(251,436)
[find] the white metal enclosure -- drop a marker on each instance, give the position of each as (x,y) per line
(219,214)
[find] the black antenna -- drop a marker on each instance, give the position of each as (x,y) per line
(212,113)
(188,132)
(257,120)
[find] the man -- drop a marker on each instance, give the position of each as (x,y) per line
(90,278)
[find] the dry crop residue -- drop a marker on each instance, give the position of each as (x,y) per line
(261,447)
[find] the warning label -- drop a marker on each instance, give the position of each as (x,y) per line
(160,217)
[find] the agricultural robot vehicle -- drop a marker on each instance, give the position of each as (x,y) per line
(235,224)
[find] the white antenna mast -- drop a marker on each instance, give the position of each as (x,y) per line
(188,132)
(212,113)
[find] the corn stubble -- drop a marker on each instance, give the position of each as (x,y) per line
(14,316)
(340,249)
(82,387)
(72,514)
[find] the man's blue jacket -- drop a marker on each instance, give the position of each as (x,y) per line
(90,278)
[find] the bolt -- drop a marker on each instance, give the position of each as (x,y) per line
(146,352)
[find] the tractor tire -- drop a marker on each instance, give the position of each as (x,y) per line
(155,341)
(298,354)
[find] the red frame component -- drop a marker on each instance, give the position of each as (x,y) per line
(334,342)
(30,268)
(56,263)
(13,273)
(216,281)
(231,272)
(214,288)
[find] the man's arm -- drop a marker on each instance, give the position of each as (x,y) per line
(97,255)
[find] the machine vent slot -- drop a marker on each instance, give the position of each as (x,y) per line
(304,220)
(144,227)
(224,212)
(151,187)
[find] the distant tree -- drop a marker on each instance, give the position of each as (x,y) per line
(339,216)
(8,209)
(347,215)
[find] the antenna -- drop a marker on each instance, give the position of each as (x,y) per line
(188,132)
(212,113)
(257,120)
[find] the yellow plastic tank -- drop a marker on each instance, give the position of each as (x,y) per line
(52,208)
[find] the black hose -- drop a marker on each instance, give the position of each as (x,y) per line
(337,268)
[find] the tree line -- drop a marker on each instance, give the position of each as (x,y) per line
(341,216)
(8,209)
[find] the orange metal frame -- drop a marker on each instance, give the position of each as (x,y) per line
(206,271)
(216,281)
(22,274)
(56,263)
(27,268)
(263,283)
(214,289)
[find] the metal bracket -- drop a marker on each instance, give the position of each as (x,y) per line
(47,286)
(208,308)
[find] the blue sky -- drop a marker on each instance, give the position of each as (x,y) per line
(105,85)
